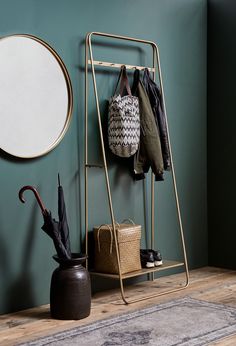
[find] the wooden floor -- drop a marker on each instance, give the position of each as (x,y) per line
(208,283)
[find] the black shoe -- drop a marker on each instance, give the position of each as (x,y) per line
(157,258)
(147,258)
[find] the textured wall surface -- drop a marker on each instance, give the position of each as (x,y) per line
(179,29)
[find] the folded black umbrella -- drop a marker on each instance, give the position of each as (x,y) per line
(63,224)
(50,226)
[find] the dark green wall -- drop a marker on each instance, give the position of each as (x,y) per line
(179,28)
(221,132)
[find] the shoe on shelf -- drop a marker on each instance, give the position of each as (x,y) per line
(157,258)
(147,258)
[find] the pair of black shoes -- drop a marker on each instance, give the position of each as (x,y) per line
(150,258)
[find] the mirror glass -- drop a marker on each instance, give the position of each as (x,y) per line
(35,96)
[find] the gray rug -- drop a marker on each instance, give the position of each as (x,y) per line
(184,322)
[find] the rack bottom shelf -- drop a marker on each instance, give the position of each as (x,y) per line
(166,265)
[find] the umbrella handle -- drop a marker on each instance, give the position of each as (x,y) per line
(32,188)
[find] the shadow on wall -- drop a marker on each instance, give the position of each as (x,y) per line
(5,271)
(22,285)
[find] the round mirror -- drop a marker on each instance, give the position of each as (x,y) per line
(35,96)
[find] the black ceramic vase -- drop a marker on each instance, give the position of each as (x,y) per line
(70,293)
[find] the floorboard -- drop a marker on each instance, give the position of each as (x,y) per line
(208,283)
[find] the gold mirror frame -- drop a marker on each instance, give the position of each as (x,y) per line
(69,93)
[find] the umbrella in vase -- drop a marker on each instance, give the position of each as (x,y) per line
(50,226)
(63,224)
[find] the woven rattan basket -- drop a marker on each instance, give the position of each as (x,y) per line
(128,238)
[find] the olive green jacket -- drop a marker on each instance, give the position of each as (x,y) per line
(149,153)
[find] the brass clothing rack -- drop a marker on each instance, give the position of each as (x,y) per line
(166,264)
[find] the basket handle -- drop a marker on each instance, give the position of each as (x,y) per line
(131,221)
(98,237)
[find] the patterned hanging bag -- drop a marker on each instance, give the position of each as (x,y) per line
(123,120)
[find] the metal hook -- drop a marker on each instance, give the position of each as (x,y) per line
(32,188)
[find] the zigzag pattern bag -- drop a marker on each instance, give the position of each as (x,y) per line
(123,120)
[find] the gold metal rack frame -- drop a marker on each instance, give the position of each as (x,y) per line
(154,68)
